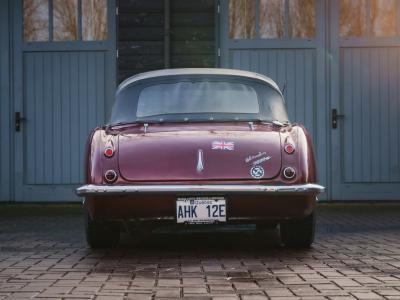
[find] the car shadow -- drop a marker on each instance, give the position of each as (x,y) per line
(203,238)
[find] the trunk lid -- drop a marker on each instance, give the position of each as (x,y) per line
(190,155)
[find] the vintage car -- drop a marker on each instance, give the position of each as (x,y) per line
(199,146)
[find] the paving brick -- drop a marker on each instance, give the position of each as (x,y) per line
(366,295)
(169,282)
(388,292)
(356,256)
(254,297)
(245,285)
(22,295)
(285,298)
(109,297)
(346,282)
(281,292)
(168,293)
(194,290)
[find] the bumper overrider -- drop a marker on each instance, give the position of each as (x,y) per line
(112,190)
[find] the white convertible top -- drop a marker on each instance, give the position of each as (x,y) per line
(197,71)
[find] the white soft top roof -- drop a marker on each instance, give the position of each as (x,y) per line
(197,71)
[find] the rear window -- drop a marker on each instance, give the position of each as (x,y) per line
(189,97)
(197,98)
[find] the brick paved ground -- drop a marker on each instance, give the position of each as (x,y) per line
(356,256)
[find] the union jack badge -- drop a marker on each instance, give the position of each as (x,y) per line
(222,145)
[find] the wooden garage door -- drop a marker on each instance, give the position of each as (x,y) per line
(285,40)
(365,91)
(64,85)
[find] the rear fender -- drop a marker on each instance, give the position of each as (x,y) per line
(302,160)
(96,162)
(307,158)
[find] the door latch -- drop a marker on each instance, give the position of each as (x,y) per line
(335,117)
(18,120)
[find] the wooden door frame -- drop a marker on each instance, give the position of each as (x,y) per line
(6,113)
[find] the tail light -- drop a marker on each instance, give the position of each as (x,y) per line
(289,148)
(289,173)
(110,176)
(108,152)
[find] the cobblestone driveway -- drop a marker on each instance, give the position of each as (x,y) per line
(356,256)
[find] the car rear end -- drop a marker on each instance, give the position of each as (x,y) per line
(197,172)
(177,175)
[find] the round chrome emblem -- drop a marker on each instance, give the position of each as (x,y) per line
(257,172)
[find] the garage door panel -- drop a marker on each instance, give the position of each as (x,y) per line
(292,68)
(64,100)
(370,97)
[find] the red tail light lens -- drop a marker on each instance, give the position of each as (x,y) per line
(108,152)
(110,176)
(289,148)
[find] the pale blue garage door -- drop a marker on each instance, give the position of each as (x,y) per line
(365,90)
(64,85)
(284,40)
(331,55)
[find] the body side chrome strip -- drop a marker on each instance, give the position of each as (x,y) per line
(91,189)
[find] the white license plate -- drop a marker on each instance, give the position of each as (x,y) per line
(201,210)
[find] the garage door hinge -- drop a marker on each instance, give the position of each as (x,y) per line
(218,8)
(117,53)
(219,51)
(117,10)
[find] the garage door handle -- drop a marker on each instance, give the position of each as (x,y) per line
(335,117)
(18,120)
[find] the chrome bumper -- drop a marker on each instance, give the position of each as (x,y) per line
(103,190)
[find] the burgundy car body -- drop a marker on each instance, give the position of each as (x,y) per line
(156,163)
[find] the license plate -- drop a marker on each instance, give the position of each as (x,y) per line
(201,210)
